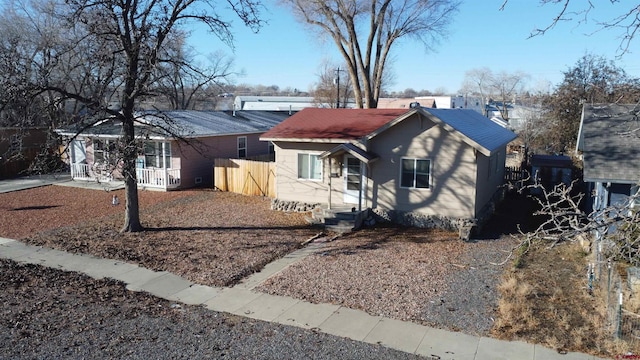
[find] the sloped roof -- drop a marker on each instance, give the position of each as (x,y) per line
(609,138)
(191,124)
(345,125)
(332,125)
(475,127)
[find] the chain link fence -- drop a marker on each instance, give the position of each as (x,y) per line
(619,289)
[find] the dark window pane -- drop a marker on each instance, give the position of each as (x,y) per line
(407,175)
(422,173)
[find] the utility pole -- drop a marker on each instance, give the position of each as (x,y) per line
(337,87)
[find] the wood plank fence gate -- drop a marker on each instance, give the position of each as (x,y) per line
(245,177)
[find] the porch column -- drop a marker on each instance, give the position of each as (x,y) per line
(164,166)
(361,185)
(329,182)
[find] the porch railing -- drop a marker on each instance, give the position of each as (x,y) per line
(159,178)
(149,178)
(86,172)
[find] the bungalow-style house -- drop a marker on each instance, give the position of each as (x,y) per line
(421,167)
(165,160)
(610,146)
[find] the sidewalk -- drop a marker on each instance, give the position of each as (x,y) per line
(327,318)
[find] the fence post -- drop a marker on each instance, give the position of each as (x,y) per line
(619,324)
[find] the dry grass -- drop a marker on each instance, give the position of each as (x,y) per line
(545,300)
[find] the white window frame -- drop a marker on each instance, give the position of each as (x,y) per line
(105,145)
(309,176)
(159,148)
(415,173)
(242,148)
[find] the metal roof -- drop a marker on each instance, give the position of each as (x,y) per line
(479,129)
(191,124)
(609,138)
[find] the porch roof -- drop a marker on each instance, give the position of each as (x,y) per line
(364,156)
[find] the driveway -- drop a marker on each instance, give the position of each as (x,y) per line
(29,182)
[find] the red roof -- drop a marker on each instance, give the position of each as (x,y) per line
(348,124)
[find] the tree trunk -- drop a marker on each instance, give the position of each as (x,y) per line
(132,208)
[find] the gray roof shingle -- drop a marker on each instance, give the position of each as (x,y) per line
(610,141)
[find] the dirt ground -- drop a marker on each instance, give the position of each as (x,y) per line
(217,239)
(211,238)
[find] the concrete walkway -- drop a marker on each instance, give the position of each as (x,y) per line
(242,300)
(29,182)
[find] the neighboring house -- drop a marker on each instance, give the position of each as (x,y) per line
(609,140)
(18,148)
(444,102)
(275,103)
(421,167)
(165,161)
(404,103)
(551,170)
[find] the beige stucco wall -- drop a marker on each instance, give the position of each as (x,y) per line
(489,182)
(453,170)
(290,188)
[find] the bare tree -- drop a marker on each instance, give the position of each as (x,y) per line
(333,88)
(501,87)
(478,81)
(593,79)
(627,23)
(182,80)
(505,88)
(365,31)
(123,41)
(564,220)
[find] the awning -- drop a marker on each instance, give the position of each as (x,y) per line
(364,156)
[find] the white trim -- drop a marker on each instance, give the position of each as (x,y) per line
(414,173)
(239,148)
(309,153)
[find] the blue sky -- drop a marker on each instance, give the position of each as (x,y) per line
(286,54)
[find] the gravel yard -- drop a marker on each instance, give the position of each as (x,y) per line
(51,314)
(212,238)
(424,276)
(216,238)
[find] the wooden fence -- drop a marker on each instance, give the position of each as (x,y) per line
(513,174)
(245,177)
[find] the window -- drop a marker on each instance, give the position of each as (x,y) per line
(309,167)
(242,147)
(102,150)
(415,173)
(155,152)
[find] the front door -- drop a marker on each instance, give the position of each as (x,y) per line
(352,179)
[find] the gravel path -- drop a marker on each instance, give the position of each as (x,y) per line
(51,314)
